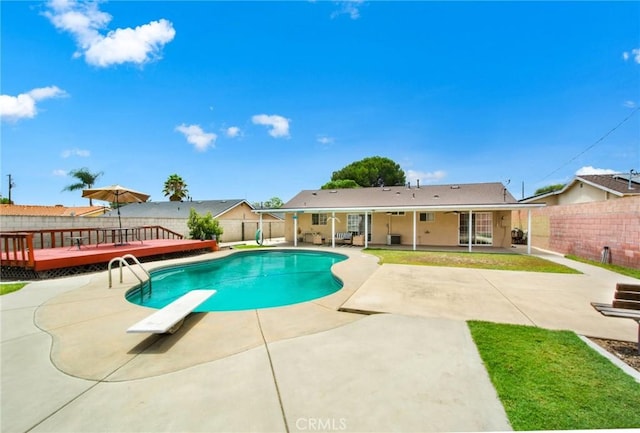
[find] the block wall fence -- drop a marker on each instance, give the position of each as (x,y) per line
(234,230)
(584,229)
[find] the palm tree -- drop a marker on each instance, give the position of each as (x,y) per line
(86,180)
(175,188)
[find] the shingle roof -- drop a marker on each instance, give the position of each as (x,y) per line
(618,183)
(464,195)
(175,209)
(58,210)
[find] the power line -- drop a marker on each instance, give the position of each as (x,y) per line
(594,144)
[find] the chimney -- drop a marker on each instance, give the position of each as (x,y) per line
(418,183)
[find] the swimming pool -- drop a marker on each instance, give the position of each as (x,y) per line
(245,280)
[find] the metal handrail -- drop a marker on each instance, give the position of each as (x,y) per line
(122,260)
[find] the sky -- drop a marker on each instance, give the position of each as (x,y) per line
(254,100)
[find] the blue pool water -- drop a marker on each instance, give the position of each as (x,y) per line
(245,280)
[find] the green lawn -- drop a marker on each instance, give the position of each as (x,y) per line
(507,262)
(10,287)
(551,380)
(630,272)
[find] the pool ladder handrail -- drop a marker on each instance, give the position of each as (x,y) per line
(123,260)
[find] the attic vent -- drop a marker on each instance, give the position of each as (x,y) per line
(333,191)
(314,193)
(455,186)
(386,189)
(436,196)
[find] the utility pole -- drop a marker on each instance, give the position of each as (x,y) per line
(11,185)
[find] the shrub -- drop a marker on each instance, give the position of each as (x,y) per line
(203,226)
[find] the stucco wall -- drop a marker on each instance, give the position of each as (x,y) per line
(443,231)
(233,229)
(583,229)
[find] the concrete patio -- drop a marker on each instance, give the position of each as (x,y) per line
(69,365)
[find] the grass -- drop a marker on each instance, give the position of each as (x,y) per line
(10,287)
(629,272)
(250,246)
(506,262)
(551,380)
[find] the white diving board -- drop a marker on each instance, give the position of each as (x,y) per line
(169,318)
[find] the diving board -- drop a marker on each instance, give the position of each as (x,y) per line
(169,318)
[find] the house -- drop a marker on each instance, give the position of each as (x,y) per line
(236,216)
(591,188)
(434,215)
(57,210)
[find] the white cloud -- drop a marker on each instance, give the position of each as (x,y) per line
(233,132)
(348,7)
(13,108)
(129,45)
(279,126)
(425,177)
(196,136)
(635,54)
(323,139)
(76,152)
(60,173)
(629,104)
(592,170)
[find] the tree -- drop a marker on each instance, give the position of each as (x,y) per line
(371,171)
(175,188)
(86,180)
(340,184)
(272,203)
(549,188)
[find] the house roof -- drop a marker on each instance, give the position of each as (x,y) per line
(616,184)
(58,210)
(435,197)
(176,209)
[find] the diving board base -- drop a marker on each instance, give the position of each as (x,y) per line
(169,318)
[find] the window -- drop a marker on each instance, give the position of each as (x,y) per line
(427,217)
(319,219)
(354,221)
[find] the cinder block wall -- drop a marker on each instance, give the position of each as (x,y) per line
(584,229)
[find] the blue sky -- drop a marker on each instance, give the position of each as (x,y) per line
(263,99)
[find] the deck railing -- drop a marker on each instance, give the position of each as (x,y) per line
(54,238)
(17,249)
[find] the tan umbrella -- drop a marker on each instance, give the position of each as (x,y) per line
(116,194)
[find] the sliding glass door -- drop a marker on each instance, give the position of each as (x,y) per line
(481,229)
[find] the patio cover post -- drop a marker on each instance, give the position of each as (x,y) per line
(260,226)
(470,227)
(366,229)
(295,229)
(414,230)
(333,229)
(528,231)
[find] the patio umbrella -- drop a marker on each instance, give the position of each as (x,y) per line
(116,194)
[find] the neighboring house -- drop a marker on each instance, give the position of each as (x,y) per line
(434,215)
(596,217)
(591,188)
(57,210)
(236,216)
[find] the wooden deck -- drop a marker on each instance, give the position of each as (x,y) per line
(73,259)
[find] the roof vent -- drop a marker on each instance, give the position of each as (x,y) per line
(386,189)
(314,193)
(436,196)
(333,191)
(455,186)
